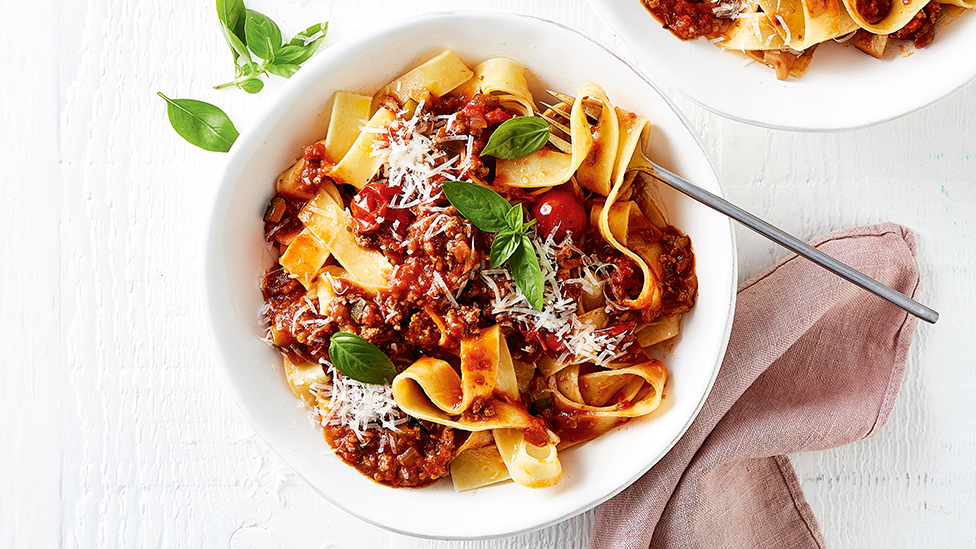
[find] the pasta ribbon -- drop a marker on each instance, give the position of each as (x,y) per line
(307,253)
(967,4)
(302,376)
(332,226)
(350,114)
(477,467)
(359,164)
(597,169)
(529,465)
(304,257)
(548,167)
(632,391)
(793,24)
(613,216)
(505,79)
(483,397)
(900,14)
(434,77)
(287,183)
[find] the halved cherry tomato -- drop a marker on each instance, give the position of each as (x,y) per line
(559,210)
(370,210)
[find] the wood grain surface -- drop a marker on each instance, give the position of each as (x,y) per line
(114,427)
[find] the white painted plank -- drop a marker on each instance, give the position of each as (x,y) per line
(32,387)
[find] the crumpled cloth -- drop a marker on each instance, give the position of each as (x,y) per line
(813,362)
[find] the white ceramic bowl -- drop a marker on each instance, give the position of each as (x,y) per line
(236,257)
(842,89)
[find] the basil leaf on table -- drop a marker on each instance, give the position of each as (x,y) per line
(309,40)
(359,359)
(231,14)
(242,57)
(201,123)
(246,32)
(263,35)
(284,70)
(482,206)
(252,85)
(491,213)
(517,137)
(290,54)
(253,36)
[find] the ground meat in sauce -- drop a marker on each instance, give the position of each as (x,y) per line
(873,10)
(686,20)
(680,284)
(415,455)
(921,29)
(689,20)
(435,297)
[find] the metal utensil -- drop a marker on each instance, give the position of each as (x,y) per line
(643,164)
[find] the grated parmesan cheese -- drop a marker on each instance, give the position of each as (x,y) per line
(728,9)
(359,406)
(410,163)
(558,315)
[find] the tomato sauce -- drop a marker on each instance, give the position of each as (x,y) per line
(434,297)
(414,455)
(686,20)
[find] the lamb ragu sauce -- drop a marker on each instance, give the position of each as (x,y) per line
(413,317)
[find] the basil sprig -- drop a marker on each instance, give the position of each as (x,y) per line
(359,359)
(254,37)
(200,123)
(490,212)
(250,35)
(517,137)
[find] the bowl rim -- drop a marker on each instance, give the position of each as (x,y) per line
(267,117)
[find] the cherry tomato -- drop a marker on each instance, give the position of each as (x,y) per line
(371,211)
(559,210)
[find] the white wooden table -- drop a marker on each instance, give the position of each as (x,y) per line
(114,427)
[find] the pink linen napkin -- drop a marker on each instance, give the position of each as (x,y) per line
(813,362)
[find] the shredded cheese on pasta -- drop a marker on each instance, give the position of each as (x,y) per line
(410,164)
(359,406)
(558,315)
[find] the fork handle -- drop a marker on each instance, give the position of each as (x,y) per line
(793,244)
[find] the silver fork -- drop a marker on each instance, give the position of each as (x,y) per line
(642,164)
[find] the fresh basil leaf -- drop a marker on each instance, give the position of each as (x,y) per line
(514,218)
(263,35)
(289,54)
(232,14)
(490,212)
(254,85)
(517,137)
(309,40)
(247,70)
(527,273)
(200,123)
(284,70)
(359,359)
(237,46)
(503,247)
(482,206)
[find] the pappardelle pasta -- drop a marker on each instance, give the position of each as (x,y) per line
(454,295)
(783,34)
